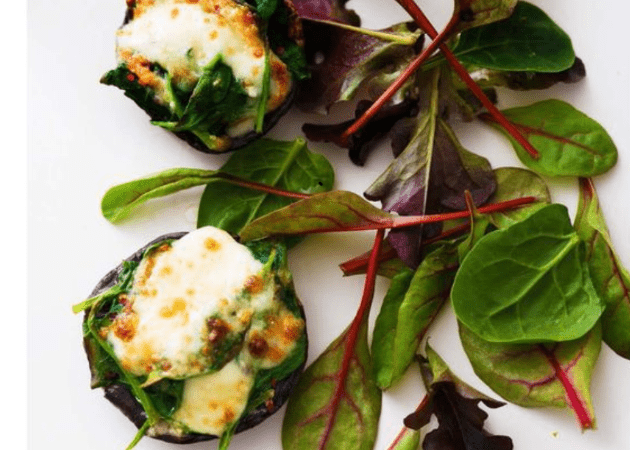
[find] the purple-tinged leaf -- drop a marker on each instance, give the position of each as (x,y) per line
(347,60)
(334,10)
(360,143)
(610,278)
(336,403)
(456,406)
(555,374)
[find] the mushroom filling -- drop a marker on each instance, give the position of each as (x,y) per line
(203,312)
(206,61)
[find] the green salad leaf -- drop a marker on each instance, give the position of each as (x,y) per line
(528,40)
(528,283)
(569,142)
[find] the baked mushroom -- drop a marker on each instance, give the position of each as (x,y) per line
(215,72)
(196,336)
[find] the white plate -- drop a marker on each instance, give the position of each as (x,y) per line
(85,137)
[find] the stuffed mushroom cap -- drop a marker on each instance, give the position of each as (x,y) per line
(209,330)
(211,71)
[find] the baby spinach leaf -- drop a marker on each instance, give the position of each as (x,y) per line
(528,283)
(474,13)
(556,374)
(409,308)
(286,165)
(526,41)
(351,60)
(336,403)
(569,142)
(265,8)
(119,201)
(513,182)
(456,406)
(610,278)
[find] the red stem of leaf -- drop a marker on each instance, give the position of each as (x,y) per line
(407,221)
(573,398)
(261,187)
(359,263)
(398,83)
(405,430)
(352,336)
(423,22)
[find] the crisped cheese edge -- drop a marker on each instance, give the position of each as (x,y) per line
(184,37)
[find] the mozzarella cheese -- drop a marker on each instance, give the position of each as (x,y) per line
(211,402)
(183,36)
(187,300)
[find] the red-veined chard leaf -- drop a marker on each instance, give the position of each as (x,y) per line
(409,308)
(456,406)
(528,282)
(610,277)
(474,13)
(330,211)
(336,404)
(557,374)
(528,40)
(569,142)
(514,182)
(286,165)
(339,211)
(353,59)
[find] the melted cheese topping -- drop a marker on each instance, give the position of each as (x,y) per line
(183,36)
(211,402)
(174,293)
(184,296)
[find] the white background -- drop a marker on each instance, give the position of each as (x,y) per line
(85,137)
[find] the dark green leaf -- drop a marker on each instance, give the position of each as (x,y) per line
(526,41)
(409,308)
(528,283)
(265,8)
(610,278)
(287,165)
(569,142)
(513,182)
(538,375)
